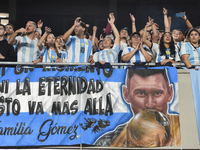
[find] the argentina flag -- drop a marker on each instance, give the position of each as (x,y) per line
(69,106)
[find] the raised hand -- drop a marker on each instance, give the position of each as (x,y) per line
(101,37)
(77,21)
(40,24)
(87,25)
(184,17)
(156,25)
(164,11)
(132,18)
(94,28)
(151,21)
(47,29)
(112,18)
(21,30)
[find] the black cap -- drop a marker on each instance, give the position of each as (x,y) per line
(82,24)
(134,34)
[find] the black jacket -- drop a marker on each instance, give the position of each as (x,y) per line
(7,51)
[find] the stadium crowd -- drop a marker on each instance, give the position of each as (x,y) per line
(150,44)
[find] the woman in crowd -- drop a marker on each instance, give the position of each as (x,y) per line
(165,52)
(59,43)
(137,52)
(51,53)
(190,50)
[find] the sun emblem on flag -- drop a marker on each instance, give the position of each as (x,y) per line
(167,52)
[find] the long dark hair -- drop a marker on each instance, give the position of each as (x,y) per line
(163,48)
(46,44)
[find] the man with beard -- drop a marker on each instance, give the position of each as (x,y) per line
(6,50)
(150,94)
(28,50)
(9,30)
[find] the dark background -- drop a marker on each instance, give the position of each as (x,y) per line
(60,14)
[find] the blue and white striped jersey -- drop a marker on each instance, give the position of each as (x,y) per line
(27,49)
(138,57)
(159,58)
(107,55)
(51,56)
(194,52)
(79,50)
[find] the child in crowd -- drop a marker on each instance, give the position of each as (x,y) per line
(50,51)
(59,43)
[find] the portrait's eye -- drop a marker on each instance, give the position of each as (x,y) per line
(157,93)
(141,93)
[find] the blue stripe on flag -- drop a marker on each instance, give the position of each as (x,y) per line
(195,81)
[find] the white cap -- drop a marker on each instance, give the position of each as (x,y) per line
(39,30)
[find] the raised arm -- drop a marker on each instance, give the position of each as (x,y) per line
(133,23)
(166,22)
(169,21)
(93,39)
(47,31)
(39,25)
(155,35)
(69,32)
(187,22)
(12,39)
(149,28)
(115,31)
(150,23)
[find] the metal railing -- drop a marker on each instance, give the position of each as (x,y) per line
(87,64)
